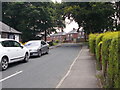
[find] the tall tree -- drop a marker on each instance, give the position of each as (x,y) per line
(93,16)
(31,17)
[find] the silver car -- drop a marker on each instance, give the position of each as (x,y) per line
(37,47)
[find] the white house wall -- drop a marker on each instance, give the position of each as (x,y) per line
(17,37)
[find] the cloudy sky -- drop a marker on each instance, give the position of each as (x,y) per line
(70,25)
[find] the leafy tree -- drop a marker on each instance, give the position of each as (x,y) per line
(117,8)
(31,17)
(93,16)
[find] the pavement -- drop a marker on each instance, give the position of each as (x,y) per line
(82,73)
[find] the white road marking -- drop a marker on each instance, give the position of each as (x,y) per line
(66,75)
(10,76)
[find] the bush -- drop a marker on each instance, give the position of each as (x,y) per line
(98,51)
(50,43)
(107,48)
(57,41)
(113,76)
(106,41)
(92,40)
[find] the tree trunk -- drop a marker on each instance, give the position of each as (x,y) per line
(45,35)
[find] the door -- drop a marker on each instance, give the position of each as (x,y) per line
(9,49)
(20,50)
(44,46)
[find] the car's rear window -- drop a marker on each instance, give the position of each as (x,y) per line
(32,44)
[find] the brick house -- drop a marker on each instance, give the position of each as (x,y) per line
(8,32)
(72,36)
(61,36)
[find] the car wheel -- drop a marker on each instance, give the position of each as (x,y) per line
(39,53)
(47,51)
(26,59)
(4,63)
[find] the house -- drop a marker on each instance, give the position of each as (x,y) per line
(74,36)
(8,32)
(60,36)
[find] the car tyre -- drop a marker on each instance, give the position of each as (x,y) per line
(39,53)
(4,64)
(47,51)
(26,59)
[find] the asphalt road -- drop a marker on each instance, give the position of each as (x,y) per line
(41,72)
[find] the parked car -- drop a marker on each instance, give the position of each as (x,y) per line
(50,43)
(12,51)
(37,47)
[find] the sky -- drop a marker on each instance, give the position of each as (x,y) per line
(69,26)
(57,1)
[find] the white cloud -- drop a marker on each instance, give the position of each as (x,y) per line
(59,1)
(70,25)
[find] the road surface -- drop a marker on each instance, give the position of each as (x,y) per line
(41,72)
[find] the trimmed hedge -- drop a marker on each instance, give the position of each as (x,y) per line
(106,41)
(107,50)
(114,62)
(92,40)
(98,51)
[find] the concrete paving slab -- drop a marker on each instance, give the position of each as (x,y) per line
(83,72)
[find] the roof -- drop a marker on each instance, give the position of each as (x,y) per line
(7,29)
(59,34)
(73,31)
(3,39)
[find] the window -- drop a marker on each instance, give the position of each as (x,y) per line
(11,36)
(43,43)
(16,44)
(32,44)
(5,43)
(10,44)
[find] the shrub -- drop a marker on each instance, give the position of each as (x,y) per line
(50,43)
(113,75)
(107,38)
(98,51)
(107,48)
(57,41)
(92,40)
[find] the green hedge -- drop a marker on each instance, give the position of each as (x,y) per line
(106,41)
(92,40)
(113,77)
(98,50)
(106,47)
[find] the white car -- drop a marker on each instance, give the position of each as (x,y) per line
(37,47)
(12,51)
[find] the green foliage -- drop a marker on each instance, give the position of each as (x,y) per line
(107,38)
(113,75)
(57,41)
(98,50)
(108,48)
(32,17)
(92,40)
(93,16)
